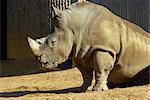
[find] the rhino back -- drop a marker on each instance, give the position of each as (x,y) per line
(127,41)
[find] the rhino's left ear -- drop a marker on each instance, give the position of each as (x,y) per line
(57,11)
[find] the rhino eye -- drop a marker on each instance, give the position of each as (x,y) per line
(53,43)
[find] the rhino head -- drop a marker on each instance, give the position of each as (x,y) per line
(56,47)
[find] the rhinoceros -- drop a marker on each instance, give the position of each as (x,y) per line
(97,41)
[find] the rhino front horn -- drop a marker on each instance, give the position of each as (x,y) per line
(34,45)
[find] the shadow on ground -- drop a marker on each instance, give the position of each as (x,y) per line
(68,90)
(141,78)
(25,67)
(22,93)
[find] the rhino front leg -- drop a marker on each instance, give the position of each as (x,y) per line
(87,75)
(103,63)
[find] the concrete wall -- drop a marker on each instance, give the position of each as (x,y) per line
(136,11)
(25,18)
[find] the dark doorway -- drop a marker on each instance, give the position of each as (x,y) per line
(3,35)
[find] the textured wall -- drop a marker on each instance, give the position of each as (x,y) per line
(149,16)
(25,18)
(136,11)
(28,18)
(3,29)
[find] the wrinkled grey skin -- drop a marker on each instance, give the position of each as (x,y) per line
(96,40)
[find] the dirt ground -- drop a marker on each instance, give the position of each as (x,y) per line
(61,85)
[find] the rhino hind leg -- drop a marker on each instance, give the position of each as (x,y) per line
(87,78)
(102,64)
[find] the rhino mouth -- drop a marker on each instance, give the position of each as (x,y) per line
(44,63)
(48,66)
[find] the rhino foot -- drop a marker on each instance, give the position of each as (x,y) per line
(100,88)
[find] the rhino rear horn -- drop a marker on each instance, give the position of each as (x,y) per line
(57,11)
(34,45)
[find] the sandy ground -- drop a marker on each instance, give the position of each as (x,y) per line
(61,85)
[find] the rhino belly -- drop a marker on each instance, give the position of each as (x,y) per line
(117,76)
(134,59)
(123,74)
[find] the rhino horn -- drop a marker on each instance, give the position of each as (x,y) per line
(34,45)
(57,11)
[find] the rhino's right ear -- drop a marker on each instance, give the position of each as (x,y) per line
(57,11)
(34,45)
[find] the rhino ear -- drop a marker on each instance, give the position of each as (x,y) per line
(57,11)
(34,45)
(81,1)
